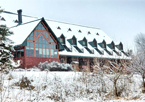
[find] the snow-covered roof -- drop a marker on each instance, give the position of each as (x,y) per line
(22,31)
(86,32)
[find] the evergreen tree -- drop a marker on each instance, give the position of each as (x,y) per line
(6,48)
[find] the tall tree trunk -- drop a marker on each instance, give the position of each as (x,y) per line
(115,84)
(115,89)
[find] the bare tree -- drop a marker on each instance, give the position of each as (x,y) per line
(119,73)
(139,58)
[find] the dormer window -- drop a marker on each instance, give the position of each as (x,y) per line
(104,44)
(80,31)
(3,19)
(74,41)
(97,34)
(89,32)
(62,39)
(58,28)
(16,21)
(120,46)
(84,42)
(69,29)
(95,43)
(112,45)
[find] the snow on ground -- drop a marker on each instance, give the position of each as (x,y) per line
(43,86)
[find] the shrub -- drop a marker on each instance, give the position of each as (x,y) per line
(55,66)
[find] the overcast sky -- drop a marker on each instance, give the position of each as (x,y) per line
(122,20)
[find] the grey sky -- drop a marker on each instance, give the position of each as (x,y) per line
(122,20)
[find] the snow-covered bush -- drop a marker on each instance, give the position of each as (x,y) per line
(55,66)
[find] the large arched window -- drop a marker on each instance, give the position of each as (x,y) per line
(41,43)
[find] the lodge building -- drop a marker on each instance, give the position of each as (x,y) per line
(39,40)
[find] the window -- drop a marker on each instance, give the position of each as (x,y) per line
(120,46)
(95,43)
(46,34)
(82,62)
(52,53)
(19,53)
(74,58)
(62,39)
(51,40)
(80,31)
(3,19)
(43,44)
(16,21)
(112,45)
(40,27)
(31,36)
(55,53)
(74,41)
(37,33)
(84,42)
(104,44)
(89,32)
(58,27)
(15,54)
(97,34)
(69,29)
(30,51)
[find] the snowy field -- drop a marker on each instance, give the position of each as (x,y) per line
(43,86)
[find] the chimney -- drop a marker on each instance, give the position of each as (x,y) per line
(19,16)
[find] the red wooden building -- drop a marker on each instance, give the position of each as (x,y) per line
(38,40)
(41,45)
